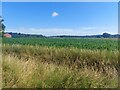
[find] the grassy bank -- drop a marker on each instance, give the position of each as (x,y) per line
(20,73)
(42,66)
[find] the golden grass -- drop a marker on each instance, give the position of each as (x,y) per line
(35,66)
(72,57)
(19,73)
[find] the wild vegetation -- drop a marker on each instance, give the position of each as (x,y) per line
(63,63)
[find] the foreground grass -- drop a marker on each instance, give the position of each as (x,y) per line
(51,67)
(72,57)
(19,73)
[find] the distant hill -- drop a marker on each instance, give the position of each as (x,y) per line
(104,35)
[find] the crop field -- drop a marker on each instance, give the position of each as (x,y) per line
(60,63)
(93,44)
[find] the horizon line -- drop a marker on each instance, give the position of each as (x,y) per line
(65,34)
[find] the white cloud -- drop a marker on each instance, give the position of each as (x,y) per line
(88,28)
(46,31)
(54,14)
(66,31)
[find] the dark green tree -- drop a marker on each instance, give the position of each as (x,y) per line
(106,35)
(2,26)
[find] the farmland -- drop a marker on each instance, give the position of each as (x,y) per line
(60,62)
(92,44)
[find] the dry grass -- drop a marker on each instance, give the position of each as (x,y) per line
(43,67)
(30,74)
(72,57)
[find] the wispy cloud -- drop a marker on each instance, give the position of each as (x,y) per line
(54,14)
(66,31)
(88,28)
(47,31)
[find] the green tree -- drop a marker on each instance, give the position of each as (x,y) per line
(106,35)
(2,26)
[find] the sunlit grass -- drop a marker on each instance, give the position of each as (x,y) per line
(19,73)
(50,67)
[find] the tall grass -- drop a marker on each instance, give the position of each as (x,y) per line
(72,57)
(50,67)
(19,73)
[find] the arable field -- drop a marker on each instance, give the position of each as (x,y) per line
(60,62)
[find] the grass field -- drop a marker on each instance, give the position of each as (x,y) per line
(60,62)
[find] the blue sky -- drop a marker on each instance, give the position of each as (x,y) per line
(61,18)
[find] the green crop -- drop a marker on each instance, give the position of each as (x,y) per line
(82,43)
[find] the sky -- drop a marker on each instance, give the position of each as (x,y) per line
(60,0)
(61,18)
